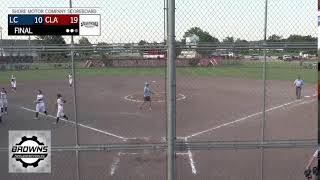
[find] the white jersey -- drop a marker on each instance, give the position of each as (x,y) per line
(13,78)
(3,95)
(3,99)
(13,82)
(40,107)
(298,83)
(70,79)
(60,111)
(40,98)
(60,103)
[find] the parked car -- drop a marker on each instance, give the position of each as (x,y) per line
(254,57)
(287,58)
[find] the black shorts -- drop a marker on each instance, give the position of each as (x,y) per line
(147,98)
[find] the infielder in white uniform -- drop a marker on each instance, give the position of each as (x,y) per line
(70,80)
(3,101)
(40,106)
(60,111)
(13,83)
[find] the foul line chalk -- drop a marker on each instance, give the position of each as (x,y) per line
(82,125)
(241,119)
(115,164)
(192,163)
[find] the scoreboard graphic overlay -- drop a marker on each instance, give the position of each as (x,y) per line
(54,21)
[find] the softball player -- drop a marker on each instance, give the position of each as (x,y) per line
(13,83)
(298,83)
(146,96)
(4,101)
(60,111)
(40,106)
(70,80)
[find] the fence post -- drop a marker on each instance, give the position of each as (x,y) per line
(171,92)
(264,87)
(75,102)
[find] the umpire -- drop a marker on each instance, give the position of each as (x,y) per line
(298,83)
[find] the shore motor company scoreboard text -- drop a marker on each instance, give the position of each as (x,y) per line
(54,21)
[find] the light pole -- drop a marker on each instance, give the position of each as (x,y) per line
(171,92)
(264,75)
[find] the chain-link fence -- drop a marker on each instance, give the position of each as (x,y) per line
(223,104)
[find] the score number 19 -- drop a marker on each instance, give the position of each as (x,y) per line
(74,20)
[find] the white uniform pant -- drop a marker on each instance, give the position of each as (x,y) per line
(40,107)
(3,103)
(13,84)
(60,112)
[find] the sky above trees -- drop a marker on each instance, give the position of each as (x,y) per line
(126,21)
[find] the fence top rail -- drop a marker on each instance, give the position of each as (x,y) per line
(183,145)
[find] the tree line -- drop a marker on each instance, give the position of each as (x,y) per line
(204,37)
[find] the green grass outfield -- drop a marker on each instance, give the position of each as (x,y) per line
(253,70)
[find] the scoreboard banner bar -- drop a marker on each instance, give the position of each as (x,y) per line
(54,24)
(48,10)
(43,30)
(37,19)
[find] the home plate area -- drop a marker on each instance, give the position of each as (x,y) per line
(150,156)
